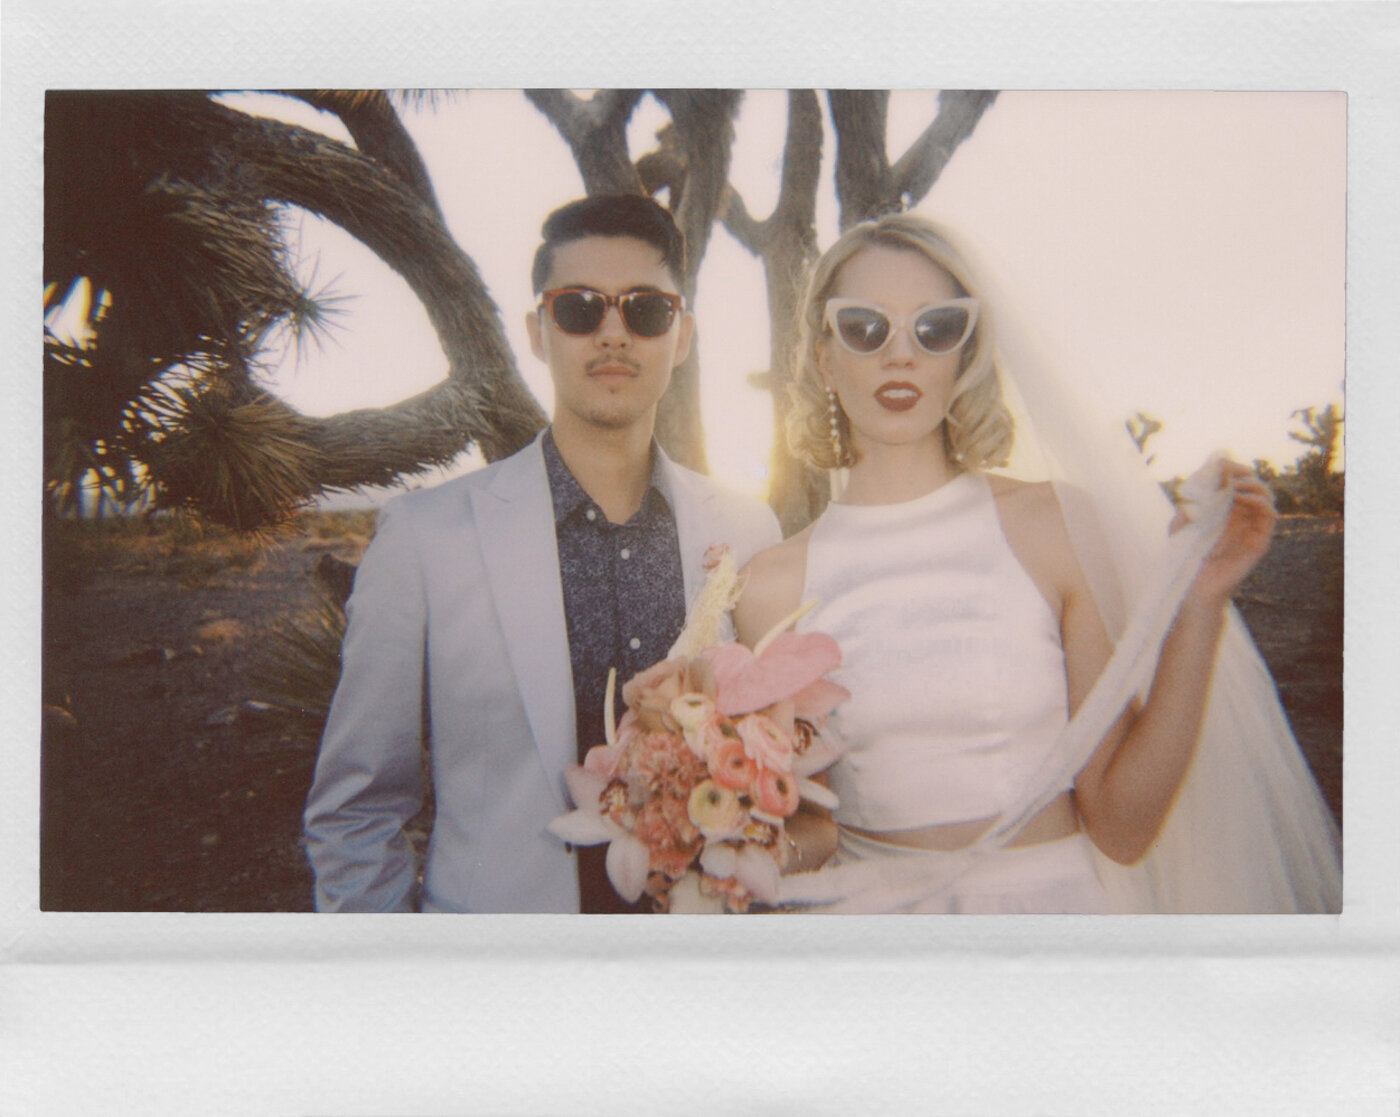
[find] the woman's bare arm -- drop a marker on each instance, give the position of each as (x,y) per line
(1127,789)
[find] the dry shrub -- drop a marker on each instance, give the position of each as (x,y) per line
(298,666)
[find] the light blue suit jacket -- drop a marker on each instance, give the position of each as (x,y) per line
(456,635)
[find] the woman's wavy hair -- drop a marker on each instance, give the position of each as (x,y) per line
(978,431)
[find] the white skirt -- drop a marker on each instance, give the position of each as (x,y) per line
(1049,878)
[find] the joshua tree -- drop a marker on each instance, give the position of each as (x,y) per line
(162,213)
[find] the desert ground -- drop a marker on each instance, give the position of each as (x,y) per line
(170,785)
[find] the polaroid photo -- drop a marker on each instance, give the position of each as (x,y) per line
(339,305)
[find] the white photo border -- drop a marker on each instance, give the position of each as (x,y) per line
(519,1014)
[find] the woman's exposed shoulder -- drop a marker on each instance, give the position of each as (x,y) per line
(1028,506)
(1034,525)
(779,560)
(772,586)
(1029,496)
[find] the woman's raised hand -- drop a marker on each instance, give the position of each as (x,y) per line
(1244,541)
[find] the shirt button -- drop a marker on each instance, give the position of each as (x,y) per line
(626,552)
(634,643)
(591,514)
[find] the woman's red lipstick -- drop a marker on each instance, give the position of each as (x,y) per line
(897,395)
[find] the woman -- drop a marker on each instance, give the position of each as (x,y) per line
(971,632)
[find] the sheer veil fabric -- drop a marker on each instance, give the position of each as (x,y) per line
(1249,831)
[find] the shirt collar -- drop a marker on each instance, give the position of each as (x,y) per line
(569,496)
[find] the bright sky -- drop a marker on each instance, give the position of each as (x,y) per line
(1185,250)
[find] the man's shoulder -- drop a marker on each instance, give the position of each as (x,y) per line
(456,493)
(721,513)
(702,486)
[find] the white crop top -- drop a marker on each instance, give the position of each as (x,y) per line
(951,653)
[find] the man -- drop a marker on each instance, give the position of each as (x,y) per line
(487,611)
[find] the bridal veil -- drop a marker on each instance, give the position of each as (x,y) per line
(1249,831)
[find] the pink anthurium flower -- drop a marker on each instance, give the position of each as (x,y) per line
(786,668)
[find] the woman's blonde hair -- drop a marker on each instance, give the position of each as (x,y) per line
(978,430)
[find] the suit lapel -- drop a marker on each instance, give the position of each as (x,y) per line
(515,521)
(695,530)
(515,525)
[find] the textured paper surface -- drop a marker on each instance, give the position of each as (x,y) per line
(527,1015)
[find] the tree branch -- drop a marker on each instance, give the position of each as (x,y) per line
(664,168)
(484,400)
(596,132)
(704,124)
(379,132)
(862,167)
(740,224)
(918,169)
(802,160)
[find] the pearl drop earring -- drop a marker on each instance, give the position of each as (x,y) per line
(833,418)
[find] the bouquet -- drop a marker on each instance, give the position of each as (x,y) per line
(692,788)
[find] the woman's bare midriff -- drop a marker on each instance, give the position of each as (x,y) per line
(1058,819)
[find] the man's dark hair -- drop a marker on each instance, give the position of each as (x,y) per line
(611,215)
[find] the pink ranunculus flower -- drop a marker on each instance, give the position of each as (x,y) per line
(765,742)
(733,767)
(715,810)
(775,793)
(718,734)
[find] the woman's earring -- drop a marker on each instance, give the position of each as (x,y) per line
(833,418)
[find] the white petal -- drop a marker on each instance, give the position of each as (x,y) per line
(628,862)
(584,828)
(818,793)
(718,859)
(584,786)
(825,750)
(758,872)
